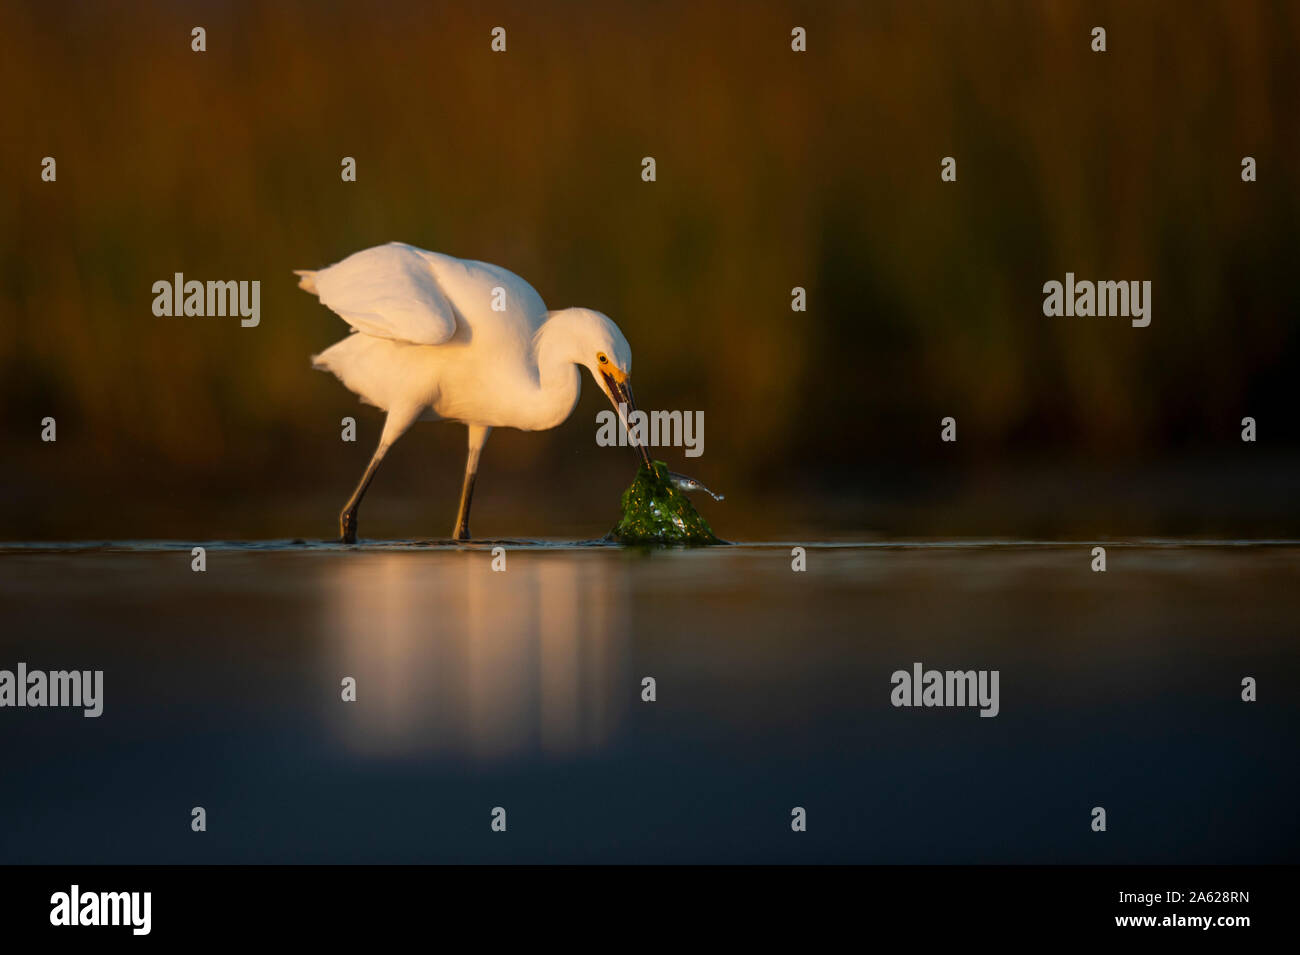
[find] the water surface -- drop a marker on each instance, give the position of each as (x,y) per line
(522,689)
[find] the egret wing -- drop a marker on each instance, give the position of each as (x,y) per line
(388,292)
(495,303)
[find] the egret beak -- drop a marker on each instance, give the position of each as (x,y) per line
(619,390)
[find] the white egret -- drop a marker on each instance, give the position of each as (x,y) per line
(439,338)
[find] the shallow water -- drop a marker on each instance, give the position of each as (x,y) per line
(522,689)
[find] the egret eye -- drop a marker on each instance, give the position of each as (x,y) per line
(600,356)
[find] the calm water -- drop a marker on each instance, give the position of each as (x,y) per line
(522,690)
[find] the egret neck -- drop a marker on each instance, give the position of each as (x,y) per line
(560,347)
(558,379)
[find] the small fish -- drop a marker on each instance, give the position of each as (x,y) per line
(684,483)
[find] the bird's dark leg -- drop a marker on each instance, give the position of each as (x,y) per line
(348,517)
(478,435)
(462,516)
(398,420)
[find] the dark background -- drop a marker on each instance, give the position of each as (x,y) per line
(522,689)
(775,169)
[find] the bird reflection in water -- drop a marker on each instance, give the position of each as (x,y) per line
(465,661)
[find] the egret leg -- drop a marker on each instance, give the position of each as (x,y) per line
(478,435)
(348,516)
(394,426)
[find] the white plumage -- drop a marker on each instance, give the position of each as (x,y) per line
(436,337)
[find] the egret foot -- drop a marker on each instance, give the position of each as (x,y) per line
(478,435)
(348,526)
(393,427)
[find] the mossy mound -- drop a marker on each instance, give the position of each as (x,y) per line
(656,512)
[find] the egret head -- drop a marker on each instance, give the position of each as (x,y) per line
(597,343)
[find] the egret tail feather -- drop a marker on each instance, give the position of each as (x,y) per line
(306,280)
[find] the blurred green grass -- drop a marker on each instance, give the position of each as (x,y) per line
(774,170)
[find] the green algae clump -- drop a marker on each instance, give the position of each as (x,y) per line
(656,512)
